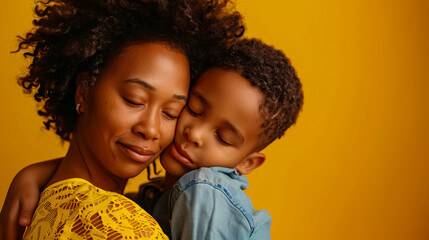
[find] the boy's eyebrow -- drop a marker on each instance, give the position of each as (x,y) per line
(200,97)
(152,88)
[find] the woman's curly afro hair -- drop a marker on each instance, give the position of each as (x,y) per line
(74,36)
(271,72)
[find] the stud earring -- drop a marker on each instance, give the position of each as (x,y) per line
(78,108)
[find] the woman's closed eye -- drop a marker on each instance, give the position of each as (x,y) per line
(133,102)
(170,116)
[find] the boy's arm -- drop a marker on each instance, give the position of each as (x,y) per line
(22,198)
(205,212)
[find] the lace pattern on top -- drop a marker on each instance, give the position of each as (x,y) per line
(76,209)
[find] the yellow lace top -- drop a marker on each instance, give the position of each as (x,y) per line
(76,209)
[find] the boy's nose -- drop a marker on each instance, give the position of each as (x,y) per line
(193,136)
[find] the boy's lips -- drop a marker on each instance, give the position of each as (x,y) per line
(180,155)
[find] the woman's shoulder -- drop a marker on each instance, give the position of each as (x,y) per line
(84,206)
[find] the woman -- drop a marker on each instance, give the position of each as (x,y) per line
(113,76)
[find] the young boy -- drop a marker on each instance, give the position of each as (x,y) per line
(247,99)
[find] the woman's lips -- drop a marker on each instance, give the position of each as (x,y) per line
(136,153)
(180,155)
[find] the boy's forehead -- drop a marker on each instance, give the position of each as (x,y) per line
(231,97)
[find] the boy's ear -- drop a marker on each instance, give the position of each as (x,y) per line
(250,163)
(80,96)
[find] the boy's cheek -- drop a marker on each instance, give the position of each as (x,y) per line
(181,122)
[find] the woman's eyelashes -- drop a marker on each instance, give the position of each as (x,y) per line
(170,116)
(133,102)
(167,115)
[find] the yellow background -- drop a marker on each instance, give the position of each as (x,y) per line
(355,166)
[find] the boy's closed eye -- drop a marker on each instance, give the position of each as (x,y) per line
(229,136)
(194,113)
(221,139)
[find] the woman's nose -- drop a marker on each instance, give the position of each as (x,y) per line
(148,125)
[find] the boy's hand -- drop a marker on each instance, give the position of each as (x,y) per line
(22,198)
(18,208)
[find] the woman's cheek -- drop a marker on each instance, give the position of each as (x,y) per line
(168,131)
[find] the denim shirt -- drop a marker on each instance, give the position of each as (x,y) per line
(209,203)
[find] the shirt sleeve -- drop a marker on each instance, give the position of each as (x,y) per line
(204,211)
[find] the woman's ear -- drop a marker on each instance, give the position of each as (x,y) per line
(80,96)
(250,163)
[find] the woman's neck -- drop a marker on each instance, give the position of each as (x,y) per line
(170,180)
(79,164)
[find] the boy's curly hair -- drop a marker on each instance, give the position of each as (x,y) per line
(271,72)
(74,36)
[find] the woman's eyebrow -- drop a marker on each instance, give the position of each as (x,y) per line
(180,97)
(152,88)
(141,82)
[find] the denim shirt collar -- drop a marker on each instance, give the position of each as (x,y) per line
(233,174)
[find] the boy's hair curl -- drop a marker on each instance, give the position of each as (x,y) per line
(271,72)
(74,36)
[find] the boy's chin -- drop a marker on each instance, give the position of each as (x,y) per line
(171,165)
